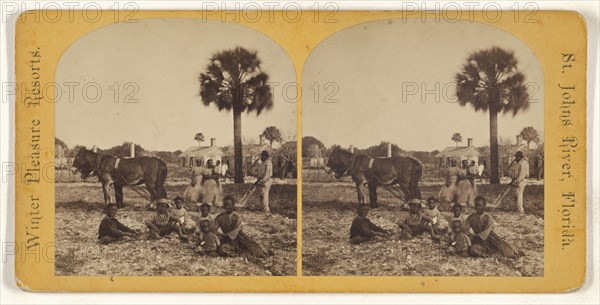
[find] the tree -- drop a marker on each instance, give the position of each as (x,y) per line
(380,150)
(329,150)
(457,138)
(234,81)
(60,142)
(308,147)
(272,134)
(288,151)
(123,150)
(490,81)
(529,134)
(73,152)
(199,137)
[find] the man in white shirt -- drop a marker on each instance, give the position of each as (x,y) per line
(519,172)
(265,174)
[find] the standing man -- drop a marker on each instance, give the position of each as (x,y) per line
(265,174)
(519,172)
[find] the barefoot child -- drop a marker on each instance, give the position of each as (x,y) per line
(439,224)
(363,230)
(187,224)
(459,243)
(208,242)
(417,223)
(164,222)
(111,230)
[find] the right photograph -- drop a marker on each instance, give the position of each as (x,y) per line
(422,152)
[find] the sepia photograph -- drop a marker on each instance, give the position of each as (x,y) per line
(175,152)
(423,152)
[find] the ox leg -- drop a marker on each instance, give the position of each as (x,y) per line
(119,195)
(361,193)
(153,193)
(373,195)
(414,190)
(406,192)
(106,192)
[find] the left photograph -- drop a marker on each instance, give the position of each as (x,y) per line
(175,152)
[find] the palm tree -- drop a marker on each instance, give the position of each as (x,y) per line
(457,138)
(490,81)
(529,134)
(199,137)
(234,81)
(272,134)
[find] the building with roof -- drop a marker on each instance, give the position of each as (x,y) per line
(201,153)
(458,153)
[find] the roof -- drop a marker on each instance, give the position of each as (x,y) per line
(461,151)
(201,151)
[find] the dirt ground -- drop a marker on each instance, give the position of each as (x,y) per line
(328,210)
(79,212)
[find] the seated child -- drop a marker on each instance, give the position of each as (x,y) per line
(417,223)
(187,224)
(164,222)
(204,210)
(208,242)
(457,216)
(439,224)
(363,230)
(459,243)
(111,230)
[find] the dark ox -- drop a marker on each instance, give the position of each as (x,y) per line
(402,171)
(122,171)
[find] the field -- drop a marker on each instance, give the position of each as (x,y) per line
(329,208)
(79,212)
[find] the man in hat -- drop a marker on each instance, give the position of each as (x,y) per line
(519,172)
(265,174)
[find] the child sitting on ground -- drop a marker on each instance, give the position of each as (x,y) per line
(204,210)
(439,224)
(164,222)
(111,230)
(208,242)
(459,243)
(457,216)
(363,230)
(416,223)
(187,224)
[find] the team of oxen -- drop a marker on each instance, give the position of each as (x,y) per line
(119,172)
(393,174)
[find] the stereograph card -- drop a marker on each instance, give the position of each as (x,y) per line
(328,151)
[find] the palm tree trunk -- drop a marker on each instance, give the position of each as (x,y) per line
(237,146)
(494,176)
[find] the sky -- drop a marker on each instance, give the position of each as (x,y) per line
(158,62)
(371,76)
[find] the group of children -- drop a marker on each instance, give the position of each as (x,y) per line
(214,236)
(467,236)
